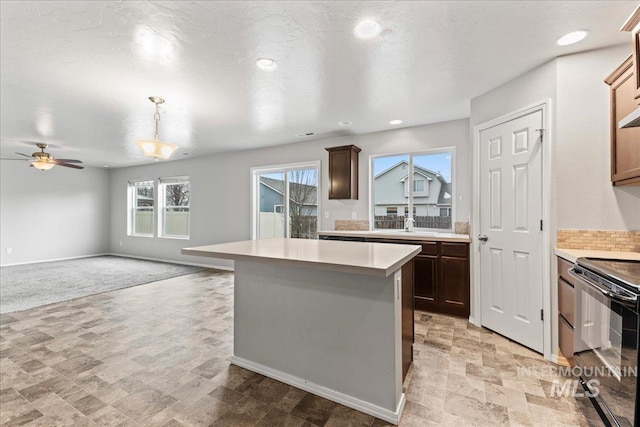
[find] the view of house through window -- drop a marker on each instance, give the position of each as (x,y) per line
(420,183)
(141,208)
(287,202)
(175,193)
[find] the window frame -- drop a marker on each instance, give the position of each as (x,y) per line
(255,173)
(162,206)
(133,208)
(409,184)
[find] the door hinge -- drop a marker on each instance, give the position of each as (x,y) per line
(541,314)
(540,225)
(541,134)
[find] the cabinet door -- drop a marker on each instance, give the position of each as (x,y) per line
(340,174)
(625,155)
(425,278)
(453,292)
(407,316)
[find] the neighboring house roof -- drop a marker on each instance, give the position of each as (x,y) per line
(444,198)
(277,185)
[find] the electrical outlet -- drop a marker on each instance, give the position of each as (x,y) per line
(354,215)
(9,250)
(120,242)
(326,214)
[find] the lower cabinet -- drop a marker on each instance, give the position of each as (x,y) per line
(566,309)
(441,276)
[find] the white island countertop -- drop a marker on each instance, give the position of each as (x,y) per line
(399,235)
(373,259)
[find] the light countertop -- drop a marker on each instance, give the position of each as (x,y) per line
(400,235)
(374,259)
(573,254)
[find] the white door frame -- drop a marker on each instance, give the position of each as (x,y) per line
(475,316)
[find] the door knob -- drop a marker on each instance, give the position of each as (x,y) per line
(482,237)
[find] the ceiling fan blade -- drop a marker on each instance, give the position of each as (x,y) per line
(26,155)
(68,160)
(9,158)
(69,165)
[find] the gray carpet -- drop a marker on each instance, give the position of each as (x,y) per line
(32,285)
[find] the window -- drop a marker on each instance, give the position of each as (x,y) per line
(392,211)
(175,207)
(285,201)
(141,207)
(420,183)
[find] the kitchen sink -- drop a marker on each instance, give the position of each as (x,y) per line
(411,232)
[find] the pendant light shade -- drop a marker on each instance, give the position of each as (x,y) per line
(154,147)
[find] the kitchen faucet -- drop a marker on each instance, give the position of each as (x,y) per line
(408,224)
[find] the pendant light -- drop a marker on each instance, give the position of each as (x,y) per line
(154,147)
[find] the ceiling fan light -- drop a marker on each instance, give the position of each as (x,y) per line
(43,165)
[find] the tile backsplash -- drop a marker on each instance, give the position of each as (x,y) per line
(599,240)
(462,228)
(352,224)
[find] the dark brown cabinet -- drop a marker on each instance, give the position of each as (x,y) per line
(625,142)
(407,317)
(566,309)
(633,26)
(441,276)
(442,279)
(343,172)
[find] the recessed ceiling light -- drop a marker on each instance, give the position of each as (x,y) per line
(306,134)
(267,64)
(107,166)
(395,122)
(367,29)
(345,123)
(572,37)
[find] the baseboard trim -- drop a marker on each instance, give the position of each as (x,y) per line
(53,260)
(194,264)
(318,390)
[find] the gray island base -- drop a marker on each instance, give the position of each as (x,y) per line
(323,316)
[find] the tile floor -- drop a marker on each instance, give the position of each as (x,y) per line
(158,355)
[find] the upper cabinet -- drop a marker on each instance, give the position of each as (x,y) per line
(343,172)
(633,26)
(624,85)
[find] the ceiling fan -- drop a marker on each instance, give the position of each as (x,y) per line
(45,161)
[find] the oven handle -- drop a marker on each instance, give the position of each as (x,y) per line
(603,289)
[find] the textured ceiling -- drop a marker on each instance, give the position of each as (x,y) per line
(77,74)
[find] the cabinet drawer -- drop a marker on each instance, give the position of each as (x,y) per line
(429,248)
(563,271)
(460,250)
(565,339)
(566,301)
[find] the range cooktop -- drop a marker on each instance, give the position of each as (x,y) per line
(625,271)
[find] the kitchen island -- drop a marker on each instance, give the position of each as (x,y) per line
(323,316)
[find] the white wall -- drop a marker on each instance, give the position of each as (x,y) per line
(585,197)
(582,196)
(59,213)
(220,186)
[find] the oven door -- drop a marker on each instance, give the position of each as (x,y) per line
(606,346)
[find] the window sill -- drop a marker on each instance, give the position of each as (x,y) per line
(141,235)
(175,237)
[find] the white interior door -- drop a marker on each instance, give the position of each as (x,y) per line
(511,282)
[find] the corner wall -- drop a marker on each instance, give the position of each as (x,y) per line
(60,213)
(220,187)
